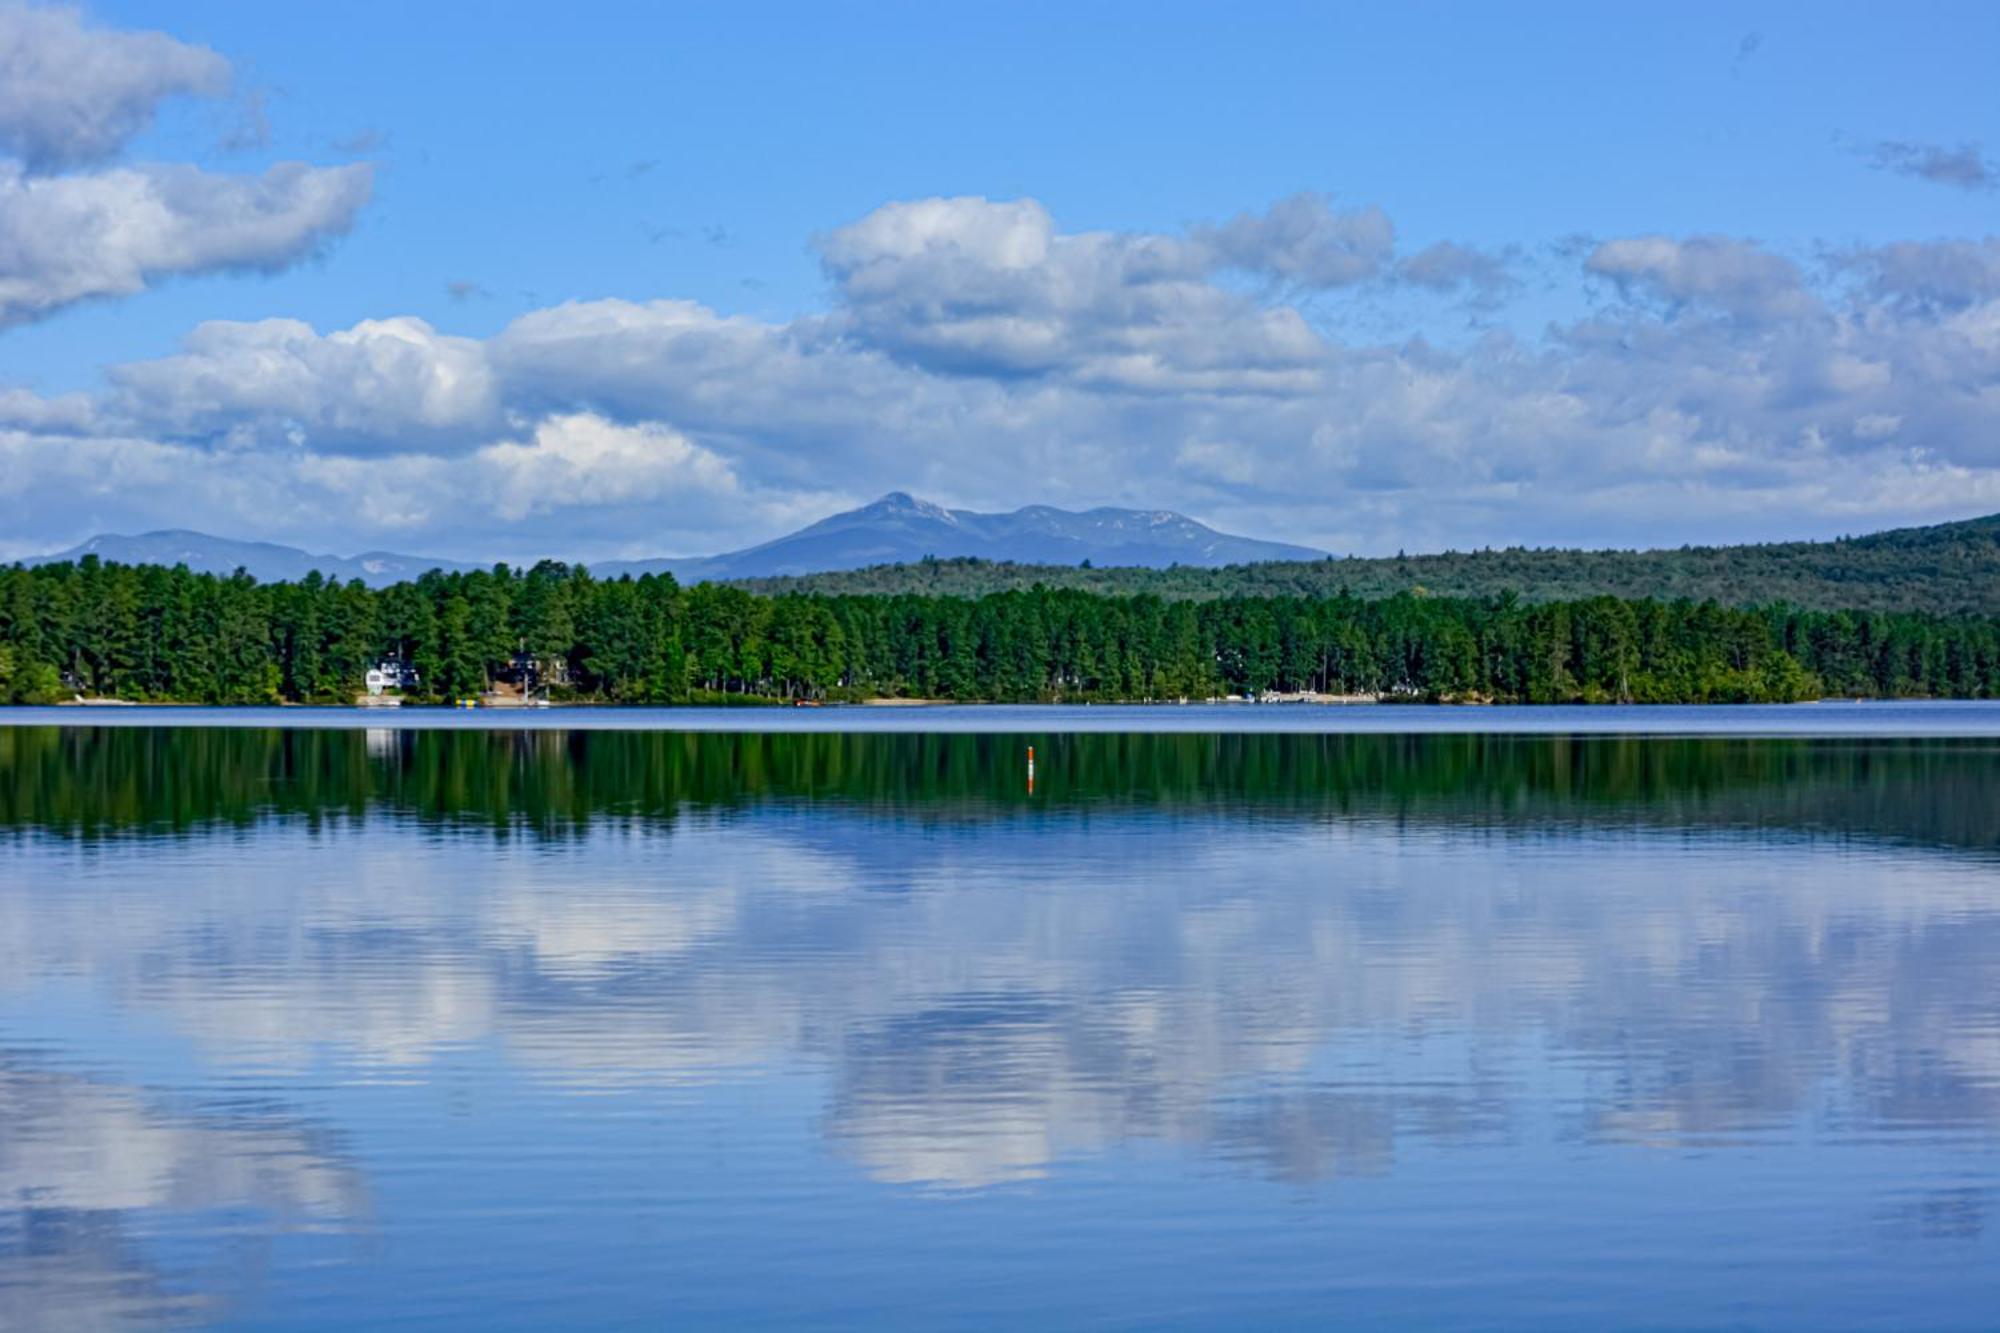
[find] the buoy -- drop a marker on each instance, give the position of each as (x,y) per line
(1031,770)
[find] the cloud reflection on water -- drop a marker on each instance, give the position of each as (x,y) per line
(85,1163)
(1294,1000)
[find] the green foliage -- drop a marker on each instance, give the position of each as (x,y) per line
(25,681)
(146,633)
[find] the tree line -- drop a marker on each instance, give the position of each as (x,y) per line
(150,633)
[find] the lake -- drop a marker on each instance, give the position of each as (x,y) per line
(1230,1024)
(1831,718)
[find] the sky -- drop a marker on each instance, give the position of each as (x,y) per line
(593,281)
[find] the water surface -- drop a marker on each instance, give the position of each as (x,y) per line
(501,1028)
(1874,717)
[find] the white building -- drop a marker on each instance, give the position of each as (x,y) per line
(390,675)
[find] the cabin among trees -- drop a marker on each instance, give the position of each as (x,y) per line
(534,673)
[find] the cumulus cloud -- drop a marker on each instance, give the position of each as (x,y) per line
(582,459)
(65,239)
(653,478)
(1964,167)
(70,413)
(383,384)
(71,94)
(978,287)
(793,397)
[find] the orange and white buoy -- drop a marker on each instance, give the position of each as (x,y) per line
(1031,770)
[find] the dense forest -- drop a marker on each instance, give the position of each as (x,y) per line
(151,633)
(1948,568)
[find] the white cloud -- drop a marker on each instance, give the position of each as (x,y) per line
(979,288)
(991,235)
(383,384)
(649,476)
(71,95)
(71,413)
(65,239)
(583,460)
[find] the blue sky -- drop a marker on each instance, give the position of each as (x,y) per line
(1717,273)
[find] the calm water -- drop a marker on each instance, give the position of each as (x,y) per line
(333,1028)
(1901,718)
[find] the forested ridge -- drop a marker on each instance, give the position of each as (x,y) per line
(1950,567)
(152,633)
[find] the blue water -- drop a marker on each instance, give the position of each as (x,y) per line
(1717,1050)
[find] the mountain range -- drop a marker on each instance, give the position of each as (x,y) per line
(266,562)
(881,548)
(1945,567)
(897,528)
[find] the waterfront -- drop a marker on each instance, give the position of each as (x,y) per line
(1830,718)
(518,1028)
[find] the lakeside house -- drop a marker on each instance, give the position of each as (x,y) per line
(391,674)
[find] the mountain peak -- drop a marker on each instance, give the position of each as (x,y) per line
(899,528)
(902,502)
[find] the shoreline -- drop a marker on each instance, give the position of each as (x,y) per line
(378,707)
(1884,719)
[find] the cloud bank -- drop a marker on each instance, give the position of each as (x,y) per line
(975,349)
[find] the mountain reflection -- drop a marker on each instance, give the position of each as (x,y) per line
(83,1161)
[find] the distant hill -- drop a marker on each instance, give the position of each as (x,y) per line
(1949,567)
(896,527)
(899,527)
(266,561)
